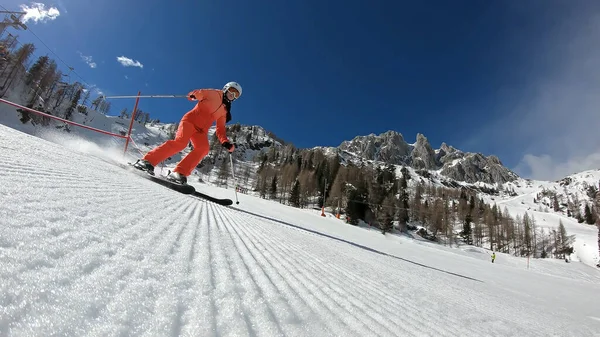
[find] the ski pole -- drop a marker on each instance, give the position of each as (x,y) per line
(146,96)
(234,181)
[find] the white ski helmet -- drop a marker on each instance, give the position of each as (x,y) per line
(234,85)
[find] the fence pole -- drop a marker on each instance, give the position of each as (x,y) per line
(137,99)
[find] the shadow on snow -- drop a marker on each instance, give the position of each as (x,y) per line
(352,243)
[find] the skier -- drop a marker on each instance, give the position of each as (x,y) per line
(213,105)
(493,257)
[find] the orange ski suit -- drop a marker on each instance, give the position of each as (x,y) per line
(194,126)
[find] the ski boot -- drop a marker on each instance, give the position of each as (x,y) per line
(177,178)
(144,165)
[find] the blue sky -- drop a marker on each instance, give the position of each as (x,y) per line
(513,79)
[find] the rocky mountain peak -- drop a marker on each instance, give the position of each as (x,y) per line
(391,147)
(423,156)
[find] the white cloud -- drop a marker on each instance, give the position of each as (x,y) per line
(553,123)
(545,168)
(95,91)
(88,60)
(127,62)
(37,12)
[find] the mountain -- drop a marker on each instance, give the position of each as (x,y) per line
(391,148)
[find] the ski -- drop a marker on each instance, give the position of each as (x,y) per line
(220,201)
(162,180)
(185,189)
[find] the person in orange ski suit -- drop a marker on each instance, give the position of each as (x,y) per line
(213,105)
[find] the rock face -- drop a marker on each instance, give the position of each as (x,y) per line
(390,147)
(423,156)
(474,167)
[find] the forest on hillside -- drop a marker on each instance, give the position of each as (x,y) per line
(385,200)
(44,87)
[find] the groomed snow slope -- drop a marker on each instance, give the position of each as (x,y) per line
(89,249)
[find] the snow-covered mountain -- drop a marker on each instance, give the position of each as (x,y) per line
(568,196)
(552,202)
(390,147)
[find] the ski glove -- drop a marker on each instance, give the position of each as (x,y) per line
(194,95)
(230,147)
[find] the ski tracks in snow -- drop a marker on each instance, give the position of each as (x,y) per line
(95,252)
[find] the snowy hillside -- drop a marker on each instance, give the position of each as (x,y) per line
(549,203)
(536,198)
(84,250)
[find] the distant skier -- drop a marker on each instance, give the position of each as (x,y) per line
(493,256)
(213,105)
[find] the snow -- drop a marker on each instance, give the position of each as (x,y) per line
(87,248)
(586,236)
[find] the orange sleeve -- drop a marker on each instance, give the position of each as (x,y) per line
(198,93)
(221,130)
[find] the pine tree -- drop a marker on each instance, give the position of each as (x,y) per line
(37,70)
(223,174)
(565,247)
(588,216)
(49,80)
(356,206)
(295,194)
(527,233)
(273,189)
(416,205)
(107,106)
(466,232)
(21,56)
(246,175)
(73,105)
(262,186)
(336,192)
(386,224)
(403,210)
(86,97)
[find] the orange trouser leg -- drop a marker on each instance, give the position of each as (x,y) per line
(186,166)
(171,147)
